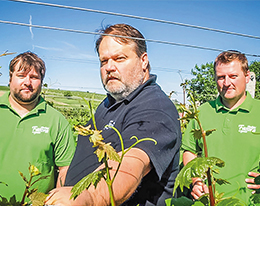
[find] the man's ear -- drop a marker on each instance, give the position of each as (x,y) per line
(145,61)
(247,76)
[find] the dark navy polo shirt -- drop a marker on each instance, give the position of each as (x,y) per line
(146,112)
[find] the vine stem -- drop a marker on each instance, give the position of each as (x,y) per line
(24,195)
(109,183)
(28,185)
(211,194)
(108,179)
(111,194)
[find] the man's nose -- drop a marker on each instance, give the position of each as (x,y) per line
(27,80)
(227,81)
(110,66)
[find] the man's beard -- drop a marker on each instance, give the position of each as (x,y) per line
(28,98)
(122,90)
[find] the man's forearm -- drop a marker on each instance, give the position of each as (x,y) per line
(62,176)
(188,156)
(135,165)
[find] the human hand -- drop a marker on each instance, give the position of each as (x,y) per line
(253,184)
(199,188)
(60,197)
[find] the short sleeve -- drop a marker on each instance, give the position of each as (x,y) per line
(161,125)
(64,146)
(189,142)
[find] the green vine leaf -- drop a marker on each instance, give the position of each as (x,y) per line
(100,152)
(195,168)
(182,201)
(221,181)
(38,198)
(230,202)
(11,202)
(201,165)
(204,199)
(209,132)
(106,149)
(198,203)
(96,138)
(189,114)
(184,178)
(95,135)
(92,178)
(4,201)
(83,130)
(197,133)
(255,198)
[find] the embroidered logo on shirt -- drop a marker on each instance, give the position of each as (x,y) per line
(111,123)
(246,129)
(38,130)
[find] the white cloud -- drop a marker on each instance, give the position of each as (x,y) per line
(30,28)
(47,48)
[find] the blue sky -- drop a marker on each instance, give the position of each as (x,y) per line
(72,62)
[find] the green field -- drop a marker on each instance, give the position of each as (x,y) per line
(72,104)
(76,100)
(4,88)
(75,106)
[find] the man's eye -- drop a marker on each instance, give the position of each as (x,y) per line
(121,58)
(35,77)
(233,76)
(103,62)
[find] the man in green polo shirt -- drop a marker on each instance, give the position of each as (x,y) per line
(235,116)
(31,131)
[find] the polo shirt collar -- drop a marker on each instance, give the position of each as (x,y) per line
(4,101)
(131,96)
(151,80)
(41,105)
(245,106)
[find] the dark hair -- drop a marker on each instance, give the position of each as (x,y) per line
(26,61)
(132,35)
(231,55)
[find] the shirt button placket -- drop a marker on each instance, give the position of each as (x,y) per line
(227,124)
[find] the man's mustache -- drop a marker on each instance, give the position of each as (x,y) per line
(111,76)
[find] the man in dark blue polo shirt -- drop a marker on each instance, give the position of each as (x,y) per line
(136,106)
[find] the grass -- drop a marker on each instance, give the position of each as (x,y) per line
(74,107)
(76,100)
(4,88)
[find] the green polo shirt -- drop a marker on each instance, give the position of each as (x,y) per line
(42,138)
(233,142)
